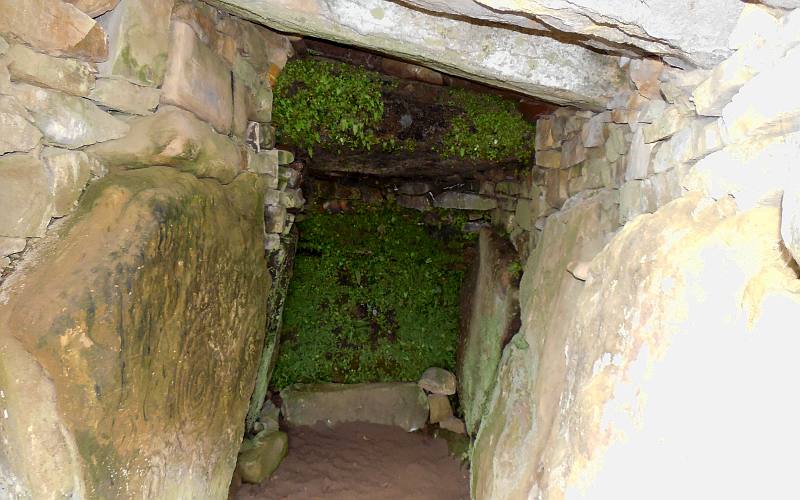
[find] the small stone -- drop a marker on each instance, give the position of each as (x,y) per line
(197,79)
(438,381)
(616,145)
(508,188)
(274,218)
(453,424)
(635,198)
(557,191)
(66,120)
(25,196)
(638,163)
(66,75)
(440,409)
(258,97)
(272,197)
(595,131)
(121,95)
(289,177)
(17,134)
(572,152)
(285,157)
(421,203)
(548,159)
(261,456)
(645,73)
(548,135)
(670,121)
(272,242)
(265,162)
(292,198)
(464,201)
(652,111)
(9,246)
(415,188)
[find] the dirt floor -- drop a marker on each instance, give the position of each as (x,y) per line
(360,461)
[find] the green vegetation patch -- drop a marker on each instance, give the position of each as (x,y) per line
(490,128)
(374,297)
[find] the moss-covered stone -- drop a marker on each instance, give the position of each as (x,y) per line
(129,340)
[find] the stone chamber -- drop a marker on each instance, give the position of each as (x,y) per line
(630,286)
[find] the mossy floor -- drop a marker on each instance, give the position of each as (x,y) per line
(375,297)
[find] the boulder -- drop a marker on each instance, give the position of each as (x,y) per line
(17,134)
(535,65)
(397,403)
(260,456)
(490,317)
(130,337)
(54,27)
(68,121)
(25,196)
(197,79)
(66,75)
(438,381)
(175,138)
(121,95)
(138,32)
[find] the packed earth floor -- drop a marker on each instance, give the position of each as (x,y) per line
(360,461)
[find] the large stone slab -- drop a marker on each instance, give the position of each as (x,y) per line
(121,95)
(538,66)
(54,27)
(129,341)
(66,120)
(17,132)
(490,303)
(175,138)
(402,404)
(198,79)
(25,196)
(138,31)
(67,75)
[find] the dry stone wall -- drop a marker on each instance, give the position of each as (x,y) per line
(143,208)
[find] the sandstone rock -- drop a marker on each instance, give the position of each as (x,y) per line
(401,404)
(572,152)
(4,262)
(274,218)
(756,24)
(67,75)
(636,197)
(257,97)
(491,316)
(421,203)
(557,187)
(440,409)
(652,111)
(10,246)
(239,119)
(121,95)
(175,138)
(463,201)
(539,66)
(75,337)
(616,145)
(197,79)
(673,119)
(767,104)
(54,27)
(264,49)
(69,172)
(272,197)
(638,165)
(289,177)
(292,198)
(453,424)
(264,162)
(94,8)
(416,188)
(16,132)
(438,381)
(25,196)
(599,173)
(548,134)
(68,121)
(595,131)
(138,31)
(261,456)
(644,74)
(549,159)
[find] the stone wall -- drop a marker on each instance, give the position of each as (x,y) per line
(139,190)
(660,276)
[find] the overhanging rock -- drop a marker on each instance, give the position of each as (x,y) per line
(538,66)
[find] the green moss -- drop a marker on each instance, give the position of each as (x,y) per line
(374,298)
(490,128)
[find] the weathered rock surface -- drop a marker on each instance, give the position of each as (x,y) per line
(112,372)
(26,203)
(67,75)
(402,404)
(121,95)
(440,408)
(139,34)
(438,381)
(464,201)
(10,246)
(69,172)
(197,79)
(490,317)
(94,8)
(17,133)
(260,456)
(175,138)
(54,27)
(66,120)
(538,66)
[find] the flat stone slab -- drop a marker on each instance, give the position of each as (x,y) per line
(402,404)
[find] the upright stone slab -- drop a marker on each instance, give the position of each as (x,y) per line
(129,340)
(25,199)
(138,32)
(198,79)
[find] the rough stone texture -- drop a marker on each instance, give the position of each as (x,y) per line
(549,158)
(584,392)
(638,165)
(10,246)
(257,463)
(175,138)
(402,404)
(121,95)
(54,27)
(105,401)
(440,408)
(438,381)
(464,201)
(197,79)
(538,66)
(69,172)
(421,203)
(17,134)
(139,35)
(67,75)
(490,317)
(66,120)
(26,203)
(94,8)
